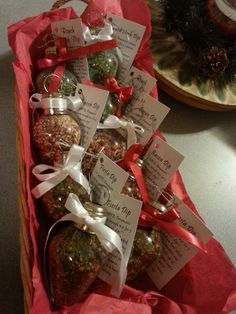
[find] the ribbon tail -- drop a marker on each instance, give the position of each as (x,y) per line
(75,103)
(132,138)
(137,171)
(35,104)
(46,186)
(181,233)
(111,240)
(118,285)
(74,158)
(81,179)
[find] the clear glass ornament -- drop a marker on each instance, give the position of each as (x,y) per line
(55,131)
(75,257)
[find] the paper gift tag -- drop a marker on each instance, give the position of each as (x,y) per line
(175,252)
(140,81)
(73,32)
(122,216)
(147,112)
(128,35)
(107,177)
(89,115)
(160,163)
(107,181)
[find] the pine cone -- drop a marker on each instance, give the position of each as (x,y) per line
(212,62)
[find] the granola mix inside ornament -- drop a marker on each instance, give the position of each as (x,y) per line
(147,246)
(104,63)
(112,142)
(146,249)
(53,202)
(147,242)
(75,257)
(55,131)
(131,188)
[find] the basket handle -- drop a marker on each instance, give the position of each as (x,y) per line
(59,3)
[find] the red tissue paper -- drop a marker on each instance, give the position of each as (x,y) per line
(207,284)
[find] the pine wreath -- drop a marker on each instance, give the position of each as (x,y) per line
(213,56)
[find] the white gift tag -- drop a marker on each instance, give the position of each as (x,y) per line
(140,81)
(122,216)
(128,35)
(107,181)
(147,112)
(107,177)
(72,31)
(175,252)
(160,163)
(89,115)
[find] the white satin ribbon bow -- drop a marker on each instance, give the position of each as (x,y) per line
(109,239)
(113,122)
(104,34)
(73,103)
(72,168)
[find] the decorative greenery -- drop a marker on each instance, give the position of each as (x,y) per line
(203,55)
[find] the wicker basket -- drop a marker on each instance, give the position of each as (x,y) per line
(24,235)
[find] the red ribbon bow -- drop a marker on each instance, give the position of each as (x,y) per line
(123,93)
(150,217)
(129,163)
(64,55)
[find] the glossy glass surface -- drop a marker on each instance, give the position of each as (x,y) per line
(53,135)
(67,85)
(75,258)
(146,249)
(103,64)
(109,141)
(53,202)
